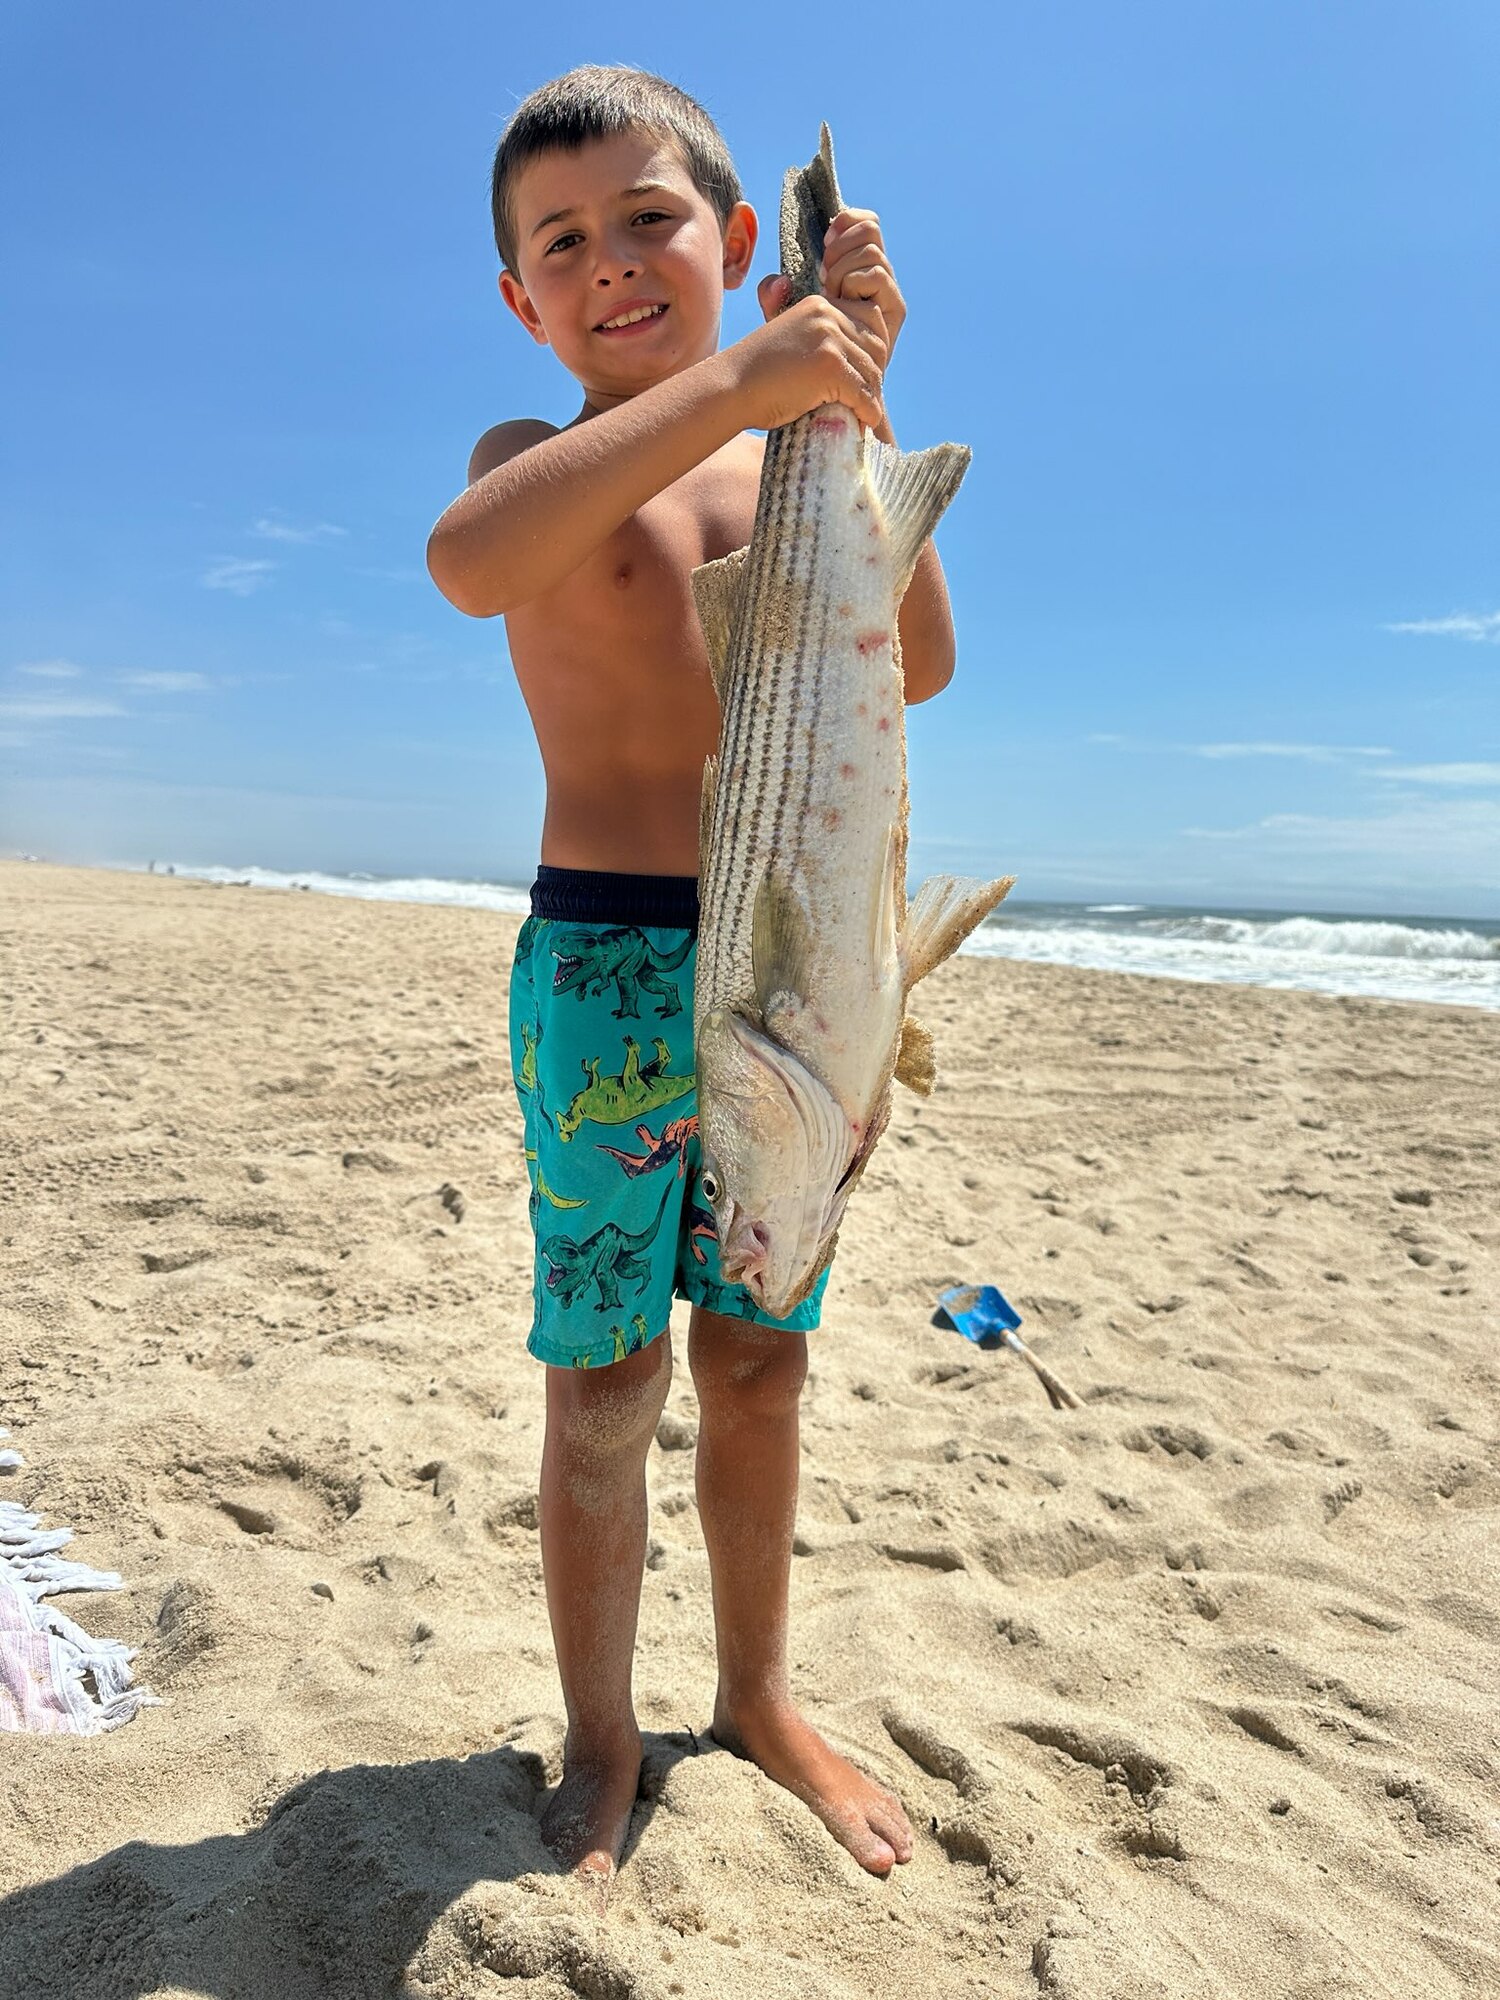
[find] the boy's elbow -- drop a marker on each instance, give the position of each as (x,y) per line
(928,673)
(453,578)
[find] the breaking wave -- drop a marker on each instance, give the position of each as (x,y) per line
(1386,958)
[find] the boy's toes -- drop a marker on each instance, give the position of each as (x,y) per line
(869,1848)
(894,1828)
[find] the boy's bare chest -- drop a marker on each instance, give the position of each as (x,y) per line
(640,577)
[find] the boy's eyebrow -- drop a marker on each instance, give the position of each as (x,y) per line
(626,194)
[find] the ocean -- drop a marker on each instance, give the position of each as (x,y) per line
(1453,961)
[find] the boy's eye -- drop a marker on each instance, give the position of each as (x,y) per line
(653,215)
(563,242)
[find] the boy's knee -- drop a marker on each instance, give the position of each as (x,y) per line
(604,1411)
(747,1369)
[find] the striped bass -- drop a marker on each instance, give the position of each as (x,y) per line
(807,949)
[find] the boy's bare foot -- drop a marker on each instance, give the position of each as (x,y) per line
(861,1815)
(587,1818)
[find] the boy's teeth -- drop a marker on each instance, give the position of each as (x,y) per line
(630,318)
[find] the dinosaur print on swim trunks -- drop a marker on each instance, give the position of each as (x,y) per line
(639,1087)
(660,1152)
(589,960)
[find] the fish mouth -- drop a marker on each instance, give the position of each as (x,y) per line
(631,318)
(745,1263)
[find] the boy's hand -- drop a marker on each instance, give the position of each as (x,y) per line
(855,267)
(812,353)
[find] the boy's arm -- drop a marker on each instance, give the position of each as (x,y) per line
(531,518)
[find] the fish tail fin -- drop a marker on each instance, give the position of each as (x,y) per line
(810,199)
(914,488)
(943,912)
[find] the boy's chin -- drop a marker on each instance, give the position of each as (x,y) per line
(628,374)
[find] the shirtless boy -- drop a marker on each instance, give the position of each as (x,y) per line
(621,224)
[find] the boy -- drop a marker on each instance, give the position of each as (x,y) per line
(620,224)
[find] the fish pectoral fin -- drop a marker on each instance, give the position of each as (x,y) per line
(913,487)
(885,903)
(780,944)
(717,590)
(943,912)
(916,1060)
(706,811)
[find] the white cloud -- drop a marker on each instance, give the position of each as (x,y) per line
(50,670)
(271,530)
(58,707)
(240,575)
(1443,774)
(1455,832)
(1309,753)
(1482,627)
(165,683)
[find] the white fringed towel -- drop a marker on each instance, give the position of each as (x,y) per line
(55,1679)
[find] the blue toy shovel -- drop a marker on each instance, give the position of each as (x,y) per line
(983,1314)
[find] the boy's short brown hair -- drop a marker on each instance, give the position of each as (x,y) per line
(600,101)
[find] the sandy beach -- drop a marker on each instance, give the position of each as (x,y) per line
(1190,1691)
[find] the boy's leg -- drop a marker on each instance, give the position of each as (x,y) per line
(600,1422)
(749,1379)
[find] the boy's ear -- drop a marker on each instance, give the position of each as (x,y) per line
(741,231)
(514,295)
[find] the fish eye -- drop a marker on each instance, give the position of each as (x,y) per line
(708,1181)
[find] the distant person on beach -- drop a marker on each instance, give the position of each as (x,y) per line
(621,223)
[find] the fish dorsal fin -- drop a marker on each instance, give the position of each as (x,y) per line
(810,199)
(717,590)
(913,488)
(706,812)
(780,944)
(943,912)
(916,1063)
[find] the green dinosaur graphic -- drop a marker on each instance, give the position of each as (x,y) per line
(605,1259)
(638,1090)
(557,1200)
(590,960)
(539,1188)
(530,1037)
(633,1342)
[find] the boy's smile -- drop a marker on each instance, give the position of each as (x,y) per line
(623,262)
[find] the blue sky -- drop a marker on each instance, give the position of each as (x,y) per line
(1211,290)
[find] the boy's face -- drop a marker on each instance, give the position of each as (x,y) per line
(623,263)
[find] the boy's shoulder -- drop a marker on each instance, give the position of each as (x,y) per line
(503,441)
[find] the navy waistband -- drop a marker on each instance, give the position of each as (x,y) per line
(593,896)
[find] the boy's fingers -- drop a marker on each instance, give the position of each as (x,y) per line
(851,218)
(866,315)
(839,242)
(864,281)
(773,293)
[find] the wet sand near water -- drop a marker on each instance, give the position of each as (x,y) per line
(1189,1691)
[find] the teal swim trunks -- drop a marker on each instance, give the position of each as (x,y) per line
(601,1036)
